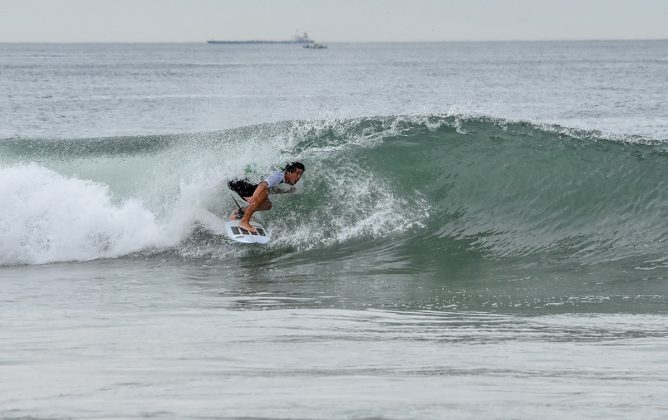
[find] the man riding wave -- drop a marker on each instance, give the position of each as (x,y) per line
(257,195)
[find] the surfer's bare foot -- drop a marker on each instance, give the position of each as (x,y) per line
(247,226)
(233,216)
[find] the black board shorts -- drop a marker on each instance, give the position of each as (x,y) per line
(242,187)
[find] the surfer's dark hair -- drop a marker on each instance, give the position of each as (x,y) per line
(293,166)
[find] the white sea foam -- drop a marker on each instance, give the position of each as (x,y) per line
(49,217)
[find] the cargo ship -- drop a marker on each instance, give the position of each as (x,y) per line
(296,39)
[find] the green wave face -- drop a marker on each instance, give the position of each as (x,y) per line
(418,193)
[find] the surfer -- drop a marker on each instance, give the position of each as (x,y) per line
(257,195)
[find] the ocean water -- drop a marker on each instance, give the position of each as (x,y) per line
(481,231)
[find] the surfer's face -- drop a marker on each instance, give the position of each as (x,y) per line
(293,177)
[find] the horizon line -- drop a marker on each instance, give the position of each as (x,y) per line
(352,42)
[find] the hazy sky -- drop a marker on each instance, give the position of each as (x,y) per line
(329,21)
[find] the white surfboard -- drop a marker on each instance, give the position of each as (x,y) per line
(234,232)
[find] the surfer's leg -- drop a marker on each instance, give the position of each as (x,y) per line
(262,203)
(238,214)
(245,190)
(265,205)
